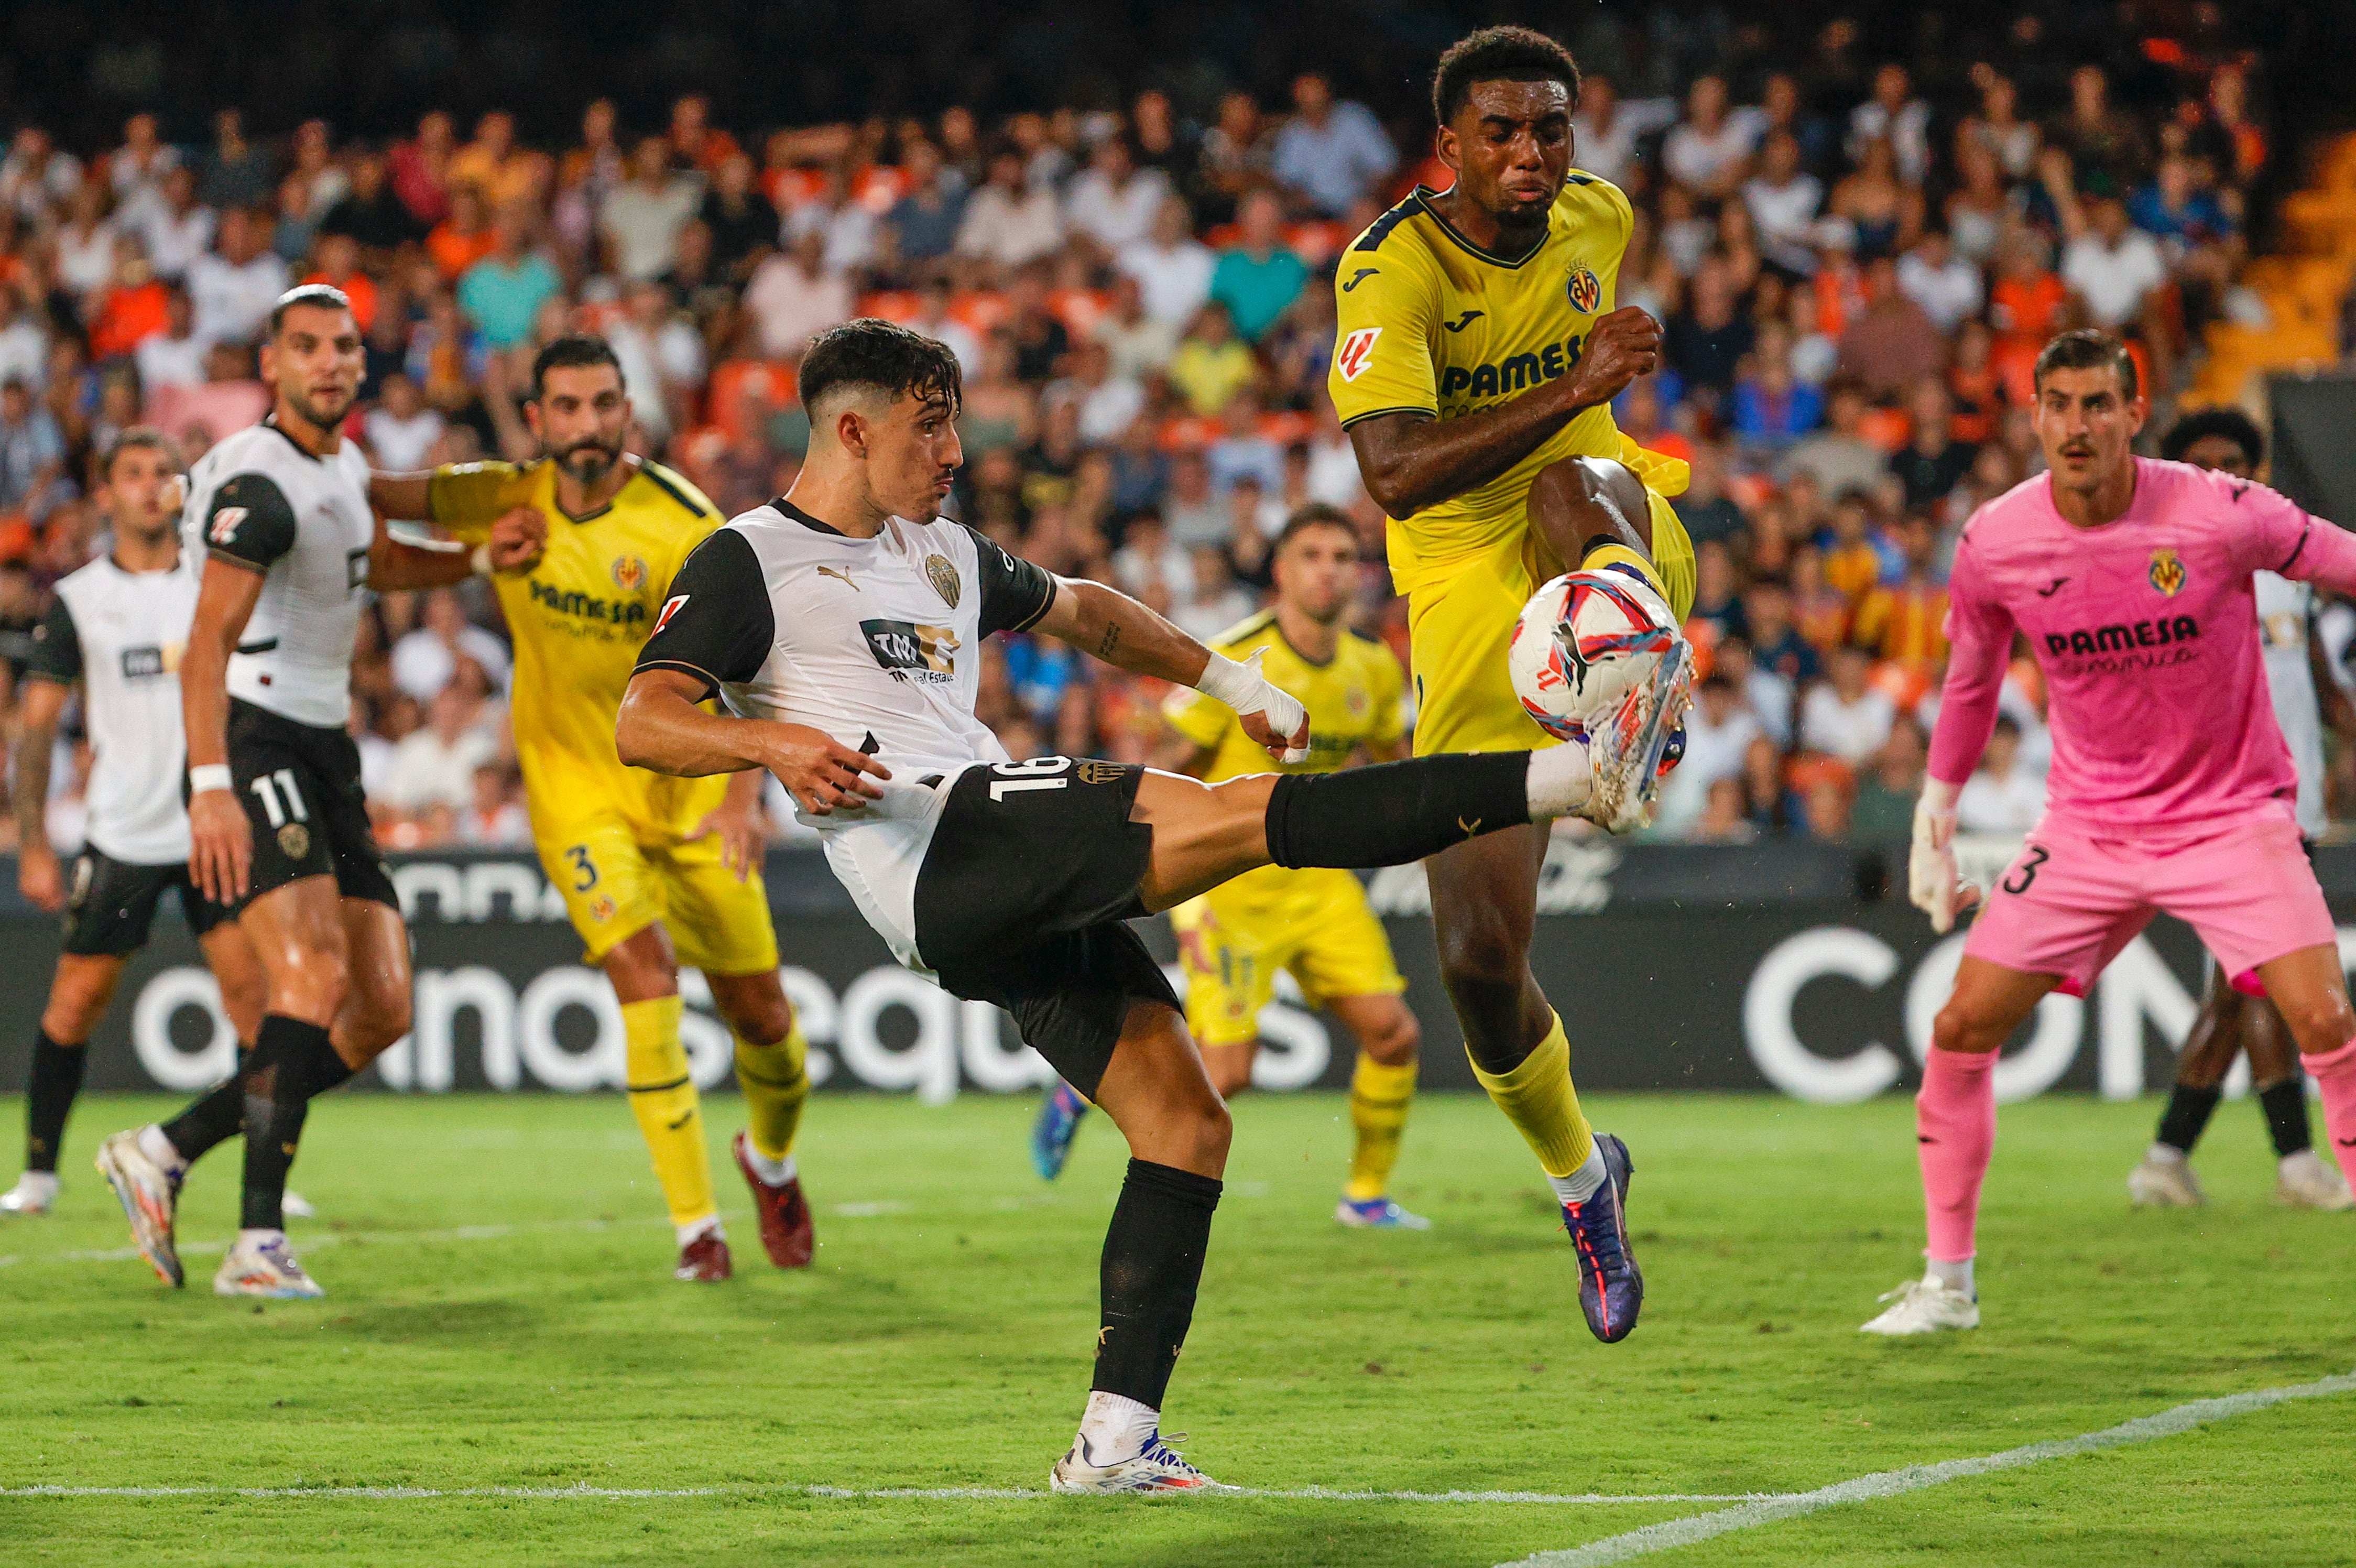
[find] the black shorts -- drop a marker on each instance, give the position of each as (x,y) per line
(111,903)
(1033,870)
(300,785)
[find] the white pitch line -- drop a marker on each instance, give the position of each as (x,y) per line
(1672,1533)
(862,1494)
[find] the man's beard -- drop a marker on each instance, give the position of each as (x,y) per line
(588,461)
(314,416)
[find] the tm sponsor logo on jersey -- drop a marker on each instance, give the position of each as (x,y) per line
(908,652)
(2133,645)
(1510,374)
(589,606)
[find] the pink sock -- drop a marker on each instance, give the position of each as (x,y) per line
(2335,1074)
(1954,1125)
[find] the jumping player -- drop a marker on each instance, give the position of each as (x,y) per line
(1315,923)
(644,862)
(116,631)
(1478,353)
(2227,440)
(839,623)
(278,828)
(2171,789)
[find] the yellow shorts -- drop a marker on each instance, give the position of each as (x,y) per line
(1233,939)
(616,886)
(1459,631)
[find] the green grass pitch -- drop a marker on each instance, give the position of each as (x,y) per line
(500,1313)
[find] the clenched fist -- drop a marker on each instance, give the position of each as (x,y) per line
(1620,346)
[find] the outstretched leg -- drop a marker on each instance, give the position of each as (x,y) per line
(2311,988)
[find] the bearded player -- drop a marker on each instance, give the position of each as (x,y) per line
(2171,789)
(1477,358)
(1313,922)
(655,871)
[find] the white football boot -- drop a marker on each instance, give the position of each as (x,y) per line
(262,1264)
(1925,1306)
(2303,1181)
(1155,1468)
(2165,1184)
(1624,754)
(35,1192)
(150,1195)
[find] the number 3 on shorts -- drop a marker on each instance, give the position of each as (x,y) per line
(2026,872)
(584,870)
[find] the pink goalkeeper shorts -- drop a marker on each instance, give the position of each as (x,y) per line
(2070,902)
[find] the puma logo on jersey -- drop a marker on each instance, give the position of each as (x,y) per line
(1361,276)
(1356,352)
(1461,322)
(843,575)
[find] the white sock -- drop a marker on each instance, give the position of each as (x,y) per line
(1560,780)
(1115,1427)
(1583,1183)
(1955,1277)
(257,1236)
(776,1173)
(158,1148)
(710,1225)
(42,1183)
(2163,1155)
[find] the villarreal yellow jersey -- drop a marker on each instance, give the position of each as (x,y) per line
(578,619)
(1433,324)
(1356,698)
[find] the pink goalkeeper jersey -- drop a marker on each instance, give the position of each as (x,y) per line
(2147,629)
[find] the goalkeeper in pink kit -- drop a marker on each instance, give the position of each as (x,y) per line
(2171,787)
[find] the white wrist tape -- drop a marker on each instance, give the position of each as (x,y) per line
(207,776)
(1240,685)
(480,561)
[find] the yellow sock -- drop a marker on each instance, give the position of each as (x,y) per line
(1537,1098)
(663,1099)
(1379,1097)
(775,1086)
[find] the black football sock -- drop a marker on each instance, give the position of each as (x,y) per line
(292,1062)
(1152,1263)
(215,1119)
(48,1096)
(1396,813)
(2285,1104)
(2189,1110)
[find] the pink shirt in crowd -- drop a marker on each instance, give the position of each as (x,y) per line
(2147,633)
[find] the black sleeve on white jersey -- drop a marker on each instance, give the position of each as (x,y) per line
(250,522)
(718,623)
(54,648)
(1015,593)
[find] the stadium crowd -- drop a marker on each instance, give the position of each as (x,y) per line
(1855,269)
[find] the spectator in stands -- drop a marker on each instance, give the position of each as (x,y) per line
(1140,344)
(1932,462)
(742,223)
(494,817)
(640,220)
(501,294)
(1108,403)
(135,171)
(176,355)
(1895,114)
(1012,222)
(1210,366)
(1708,153)
(462,238)
(234,172)
(697,146)
(435,765)
(793,297)
(1173,269)
(401,429)
(1944,284)
(1257,277)
(367,212)
(1330,155)
(1606,133)
(1234,158)
(1719,731)
(1837,457)
(426,660)
(32,452)
(36,173)
(1882,811)
(1706,341)
(2003,795)
(502,172)
(1892,344)
(922,225)
(1845,716)
(1708,513)
(234,284)
(178,228)
(1784,199)
(1777,648)
(1113,202)
(1883,212)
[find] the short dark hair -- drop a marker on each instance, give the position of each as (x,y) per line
(2086,349)
(885,355)
(573,351)
(1309,515)
(1499,54)
(2199,425)
(311,296)
(143,435)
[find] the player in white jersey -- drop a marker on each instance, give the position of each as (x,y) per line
(115,631)
(839,624)
(278,827)
(2232,1022)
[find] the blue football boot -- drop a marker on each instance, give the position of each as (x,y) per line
(1611,1286)
(1051,1132)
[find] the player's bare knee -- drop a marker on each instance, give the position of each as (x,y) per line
(1394,1041)
(1487,952)
(756,1020)
(2319,1024)
(1962,1028)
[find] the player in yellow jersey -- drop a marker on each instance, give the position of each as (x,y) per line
(655,871)
(1477,358)
(1315,923)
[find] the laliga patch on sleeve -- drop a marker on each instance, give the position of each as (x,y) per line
(669,610)
(1357,351)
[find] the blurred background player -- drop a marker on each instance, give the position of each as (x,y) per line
(2171,789)
(1477,358)
(655,870)
(115,632)
(278,825)
(2231,1021)
(1315,922)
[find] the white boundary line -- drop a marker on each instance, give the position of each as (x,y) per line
(926,1494)
(1673,1533)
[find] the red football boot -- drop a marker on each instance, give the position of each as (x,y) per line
(786,1231)
(704,1260)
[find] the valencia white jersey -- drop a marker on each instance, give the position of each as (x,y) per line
(120,635)
(2285,621)
(876,641)
(262,502)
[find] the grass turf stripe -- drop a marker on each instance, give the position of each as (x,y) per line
(1672,1533)
(922,1494)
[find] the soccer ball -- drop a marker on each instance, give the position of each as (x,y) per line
(1583,642)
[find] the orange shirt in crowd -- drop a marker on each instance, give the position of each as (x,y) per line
(126,316)
(1852,570)
(360,289)
(1905,623)
(2022,309)
(453,252)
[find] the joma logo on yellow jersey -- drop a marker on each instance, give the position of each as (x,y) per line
(588,607)
(1513,373)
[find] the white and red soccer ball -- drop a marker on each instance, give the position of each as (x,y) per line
(1583,643)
